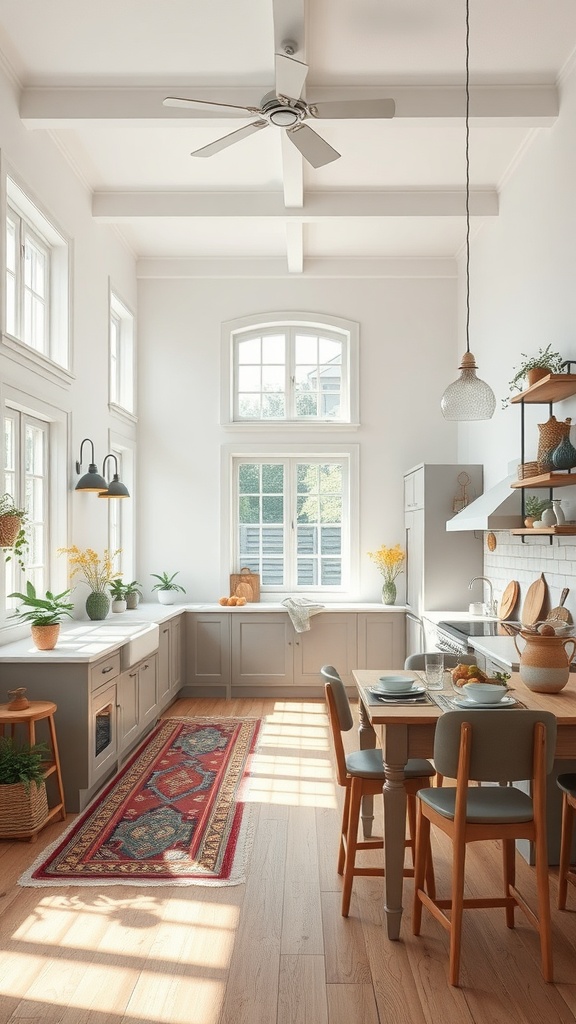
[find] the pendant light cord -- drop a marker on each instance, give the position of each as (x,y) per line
(467,176)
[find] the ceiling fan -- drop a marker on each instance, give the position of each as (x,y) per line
(285,108)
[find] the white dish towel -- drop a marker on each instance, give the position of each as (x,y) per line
(300,611)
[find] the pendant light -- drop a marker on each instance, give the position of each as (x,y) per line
(468,398)
(91,481)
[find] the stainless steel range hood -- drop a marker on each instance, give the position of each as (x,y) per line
(499,508)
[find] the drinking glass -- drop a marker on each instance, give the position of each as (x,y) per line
(434,667)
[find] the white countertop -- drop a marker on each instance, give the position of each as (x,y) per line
(497,648)
(85,640)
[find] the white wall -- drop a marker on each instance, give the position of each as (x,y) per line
(97,256)
(406,343)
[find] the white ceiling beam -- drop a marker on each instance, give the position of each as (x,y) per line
(295,246)
(528,106)
(289,25)
(318,206)
(150,268)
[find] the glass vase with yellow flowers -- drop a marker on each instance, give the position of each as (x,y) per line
(98,572)
(389,562)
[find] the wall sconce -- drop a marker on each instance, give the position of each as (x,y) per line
(91,481)
(115,489)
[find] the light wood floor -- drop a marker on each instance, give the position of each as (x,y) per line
(274,950)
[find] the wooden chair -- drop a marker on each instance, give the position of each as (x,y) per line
(488,746)
(566,873)
(361,773)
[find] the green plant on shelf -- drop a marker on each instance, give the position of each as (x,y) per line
(534,506)
(545,360)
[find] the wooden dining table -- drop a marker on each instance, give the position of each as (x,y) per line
(407,730)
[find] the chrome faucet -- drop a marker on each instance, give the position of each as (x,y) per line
(489,607)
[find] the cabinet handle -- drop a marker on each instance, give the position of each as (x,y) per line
(132,674)
(165,630)
(109,669)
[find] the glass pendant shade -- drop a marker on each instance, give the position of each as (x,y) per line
(468,398)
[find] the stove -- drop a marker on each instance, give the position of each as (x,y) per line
(453,637)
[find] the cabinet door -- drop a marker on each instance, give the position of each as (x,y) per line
(381,642)
(414,490)
(175,655)
(164,649)
(103,736)
(128,725)
(147,691)
(208,648)
(262,649)
(414,543)
(331,640)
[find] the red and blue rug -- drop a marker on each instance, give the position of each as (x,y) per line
(175,813)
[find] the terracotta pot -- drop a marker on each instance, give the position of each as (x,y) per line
(536,374)
(529,522)
(545,661)
(46,637)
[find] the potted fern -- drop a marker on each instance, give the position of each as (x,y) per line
(45,614)
(23,800)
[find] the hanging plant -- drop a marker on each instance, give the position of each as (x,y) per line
(13,522)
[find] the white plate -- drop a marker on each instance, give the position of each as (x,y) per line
(397,679)
(466,704)
(415,690)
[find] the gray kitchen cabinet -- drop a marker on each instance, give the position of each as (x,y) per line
(169,661)
(128,724)
(381,640)
(147,676)
(262,650)
(331,640)
(208,649)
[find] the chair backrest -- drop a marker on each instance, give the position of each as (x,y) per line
(341,702)
(339,715)
(417,663)
(502,743)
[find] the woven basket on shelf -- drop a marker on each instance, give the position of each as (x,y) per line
(527,469)
(22,810)
(550,436)
(9,530)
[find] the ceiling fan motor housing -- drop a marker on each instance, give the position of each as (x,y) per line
(280,112)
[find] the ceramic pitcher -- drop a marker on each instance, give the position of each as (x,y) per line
(545,661)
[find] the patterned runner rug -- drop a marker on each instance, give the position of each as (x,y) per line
(175,814)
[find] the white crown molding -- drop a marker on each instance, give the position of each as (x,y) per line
(325,268)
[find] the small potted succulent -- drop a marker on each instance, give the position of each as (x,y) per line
(45,614)
(533,368)
(118,594)
(166,588)
(533,509)
(13,538)
(132,593)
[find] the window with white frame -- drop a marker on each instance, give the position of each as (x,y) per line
(121,355)
(26,447)
(293,372)
(121,513)
(292,522)
(36,279)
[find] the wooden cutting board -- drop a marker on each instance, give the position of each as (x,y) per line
(535,597)
(508,600)
(245,584)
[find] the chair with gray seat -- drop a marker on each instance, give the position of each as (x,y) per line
(566,873)
(488,746)
(361,773)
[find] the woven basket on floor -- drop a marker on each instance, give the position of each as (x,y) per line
(9,530)
(22,810)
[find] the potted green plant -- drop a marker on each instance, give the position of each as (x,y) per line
(133,593)
(533,368)
(45,614)
(13,521)
(166,588)
(533,509)
(118,594)
(23,800)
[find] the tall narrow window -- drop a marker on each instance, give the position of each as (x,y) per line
(121,355)
(26,441)
(36,278)
(293,522)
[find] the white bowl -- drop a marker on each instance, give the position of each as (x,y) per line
(484,693)
(396,684)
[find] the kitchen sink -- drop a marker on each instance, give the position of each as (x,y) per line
(139,639)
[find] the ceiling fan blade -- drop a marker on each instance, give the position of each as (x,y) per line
(229,140)
(180,101)
(314,149)
(352,108)
(290,76)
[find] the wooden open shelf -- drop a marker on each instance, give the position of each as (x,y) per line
(552,388)
(547,531)
(547,480)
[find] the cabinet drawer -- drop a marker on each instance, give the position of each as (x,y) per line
(105,670)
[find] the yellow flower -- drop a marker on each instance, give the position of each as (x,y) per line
(388,560)
(98,571)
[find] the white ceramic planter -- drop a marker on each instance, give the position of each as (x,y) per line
(119,606)
(166,596)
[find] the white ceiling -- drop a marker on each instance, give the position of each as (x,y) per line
(95,75)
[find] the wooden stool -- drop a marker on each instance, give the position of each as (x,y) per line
(567,783)
(37,710)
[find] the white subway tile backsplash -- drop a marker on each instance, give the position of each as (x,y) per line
(513,560)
